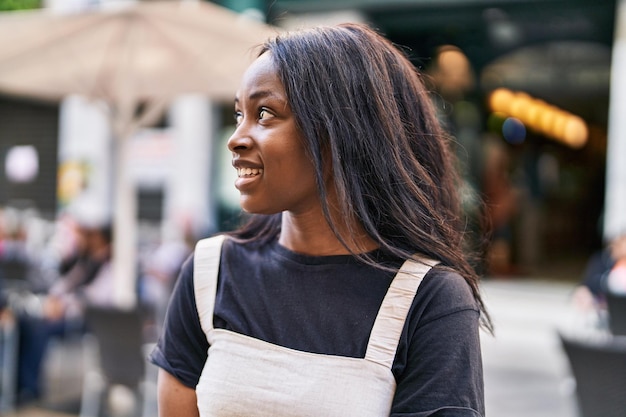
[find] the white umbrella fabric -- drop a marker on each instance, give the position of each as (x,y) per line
(145,51)
(135,54)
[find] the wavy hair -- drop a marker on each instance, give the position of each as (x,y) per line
(365,113)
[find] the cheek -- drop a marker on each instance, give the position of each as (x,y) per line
(295,170)
(291,153)
(305,166)
(296,174)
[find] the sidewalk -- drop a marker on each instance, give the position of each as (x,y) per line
(526,371)
(38,412)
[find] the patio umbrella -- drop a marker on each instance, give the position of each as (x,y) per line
(133,51)
(134,55)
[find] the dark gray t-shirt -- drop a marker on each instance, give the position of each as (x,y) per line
(328,305)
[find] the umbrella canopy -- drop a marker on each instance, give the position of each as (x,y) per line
(146,52)
(142,49)
(143,53)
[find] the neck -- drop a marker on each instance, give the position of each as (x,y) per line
(312,235)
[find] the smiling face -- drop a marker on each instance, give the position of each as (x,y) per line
(274,172)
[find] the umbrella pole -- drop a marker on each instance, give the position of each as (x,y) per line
(124,261)
(125,224)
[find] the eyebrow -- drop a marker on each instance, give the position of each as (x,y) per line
(261,94)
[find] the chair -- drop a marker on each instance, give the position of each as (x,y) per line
(599,368)
(116,356)
(616,306)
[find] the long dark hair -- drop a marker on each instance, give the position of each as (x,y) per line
(365,113)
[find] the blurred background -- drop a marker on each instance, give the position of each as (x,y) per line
(107,183)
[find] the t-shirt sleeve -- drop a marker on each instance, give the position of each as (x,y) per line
(438,365)
(182,346)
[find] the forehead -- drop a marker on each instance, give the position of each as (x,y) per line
(261,74)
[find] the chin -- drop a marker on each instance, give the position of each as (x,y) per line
(252,209)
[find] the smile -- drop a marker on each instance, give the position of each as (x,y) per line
(249,172)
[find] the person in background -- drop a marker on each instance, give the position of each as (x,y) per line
(616,279)
(349,291)
(602,274)
(84,279)
(160,268)
(502,205)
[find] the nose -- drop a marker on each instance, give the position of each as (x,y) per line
(239,140)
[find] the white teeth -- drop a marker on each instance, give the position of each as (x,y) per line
(249,172)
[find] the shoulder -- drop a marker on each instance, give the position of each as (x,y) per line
(230,249)
(444,281)
(442,292)
(438,361)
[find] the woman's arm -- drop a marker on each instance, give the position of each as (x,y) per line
(175,398)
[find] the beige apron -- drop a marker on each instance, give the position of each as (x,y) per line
(247,377)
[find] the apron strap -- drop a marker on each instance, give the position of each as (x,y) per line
(206,264)
(389,323)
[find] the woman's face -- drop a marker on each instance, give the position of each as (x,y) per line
(274,171)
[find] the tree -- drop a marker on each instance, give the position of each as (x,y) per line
(7,5)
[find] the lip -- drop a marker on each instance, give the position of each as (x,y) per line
(244,182)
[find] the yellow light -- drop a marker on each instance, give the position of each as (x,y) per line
(576,132)
(533,113)
(520,105)
(546,119)
(500,100)
(561,118)
(538,115)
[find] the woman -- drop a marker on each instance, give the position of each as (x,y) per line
(348,174)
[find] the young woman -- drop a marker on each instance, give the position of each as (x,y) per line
(348,292)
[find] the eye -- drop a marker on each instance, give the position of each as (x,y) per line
(264,114)
(238,116)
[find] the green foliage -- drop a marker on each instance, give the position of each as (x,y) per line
(7,5)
